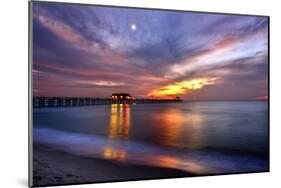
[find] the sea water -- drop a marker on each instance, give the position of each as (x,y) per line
(197,137)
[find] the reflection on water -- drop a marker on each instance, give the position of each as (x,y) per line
(111,153)
(172,162)
(178,128)
(170,124)
(199,137)
(120,121)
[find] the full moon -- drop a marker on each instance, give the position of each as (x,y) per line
(133,27)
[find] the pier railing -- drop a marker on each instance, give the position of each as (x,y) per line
(43,102)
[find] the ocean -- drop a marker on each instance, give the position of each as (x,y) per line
(198,137)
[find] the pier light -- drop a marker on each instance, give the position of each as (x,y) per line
(122,98)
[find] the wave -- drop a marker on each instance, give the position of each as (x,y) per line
(135,152)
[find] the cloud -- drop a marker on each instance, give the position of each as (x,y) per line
(102,83)
(88,50)
(213,55)
(181,88)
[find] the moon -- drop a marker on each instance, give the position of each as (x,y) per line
(133,27)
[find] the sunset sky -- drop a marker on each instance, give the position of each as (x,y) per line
(90,51)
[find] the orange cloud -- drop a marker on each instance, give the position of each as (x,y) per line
(180,88)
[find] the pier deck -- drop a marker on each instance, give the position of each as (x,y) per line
(43,102)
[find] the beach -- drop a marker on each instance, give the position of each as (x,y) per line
(53,167)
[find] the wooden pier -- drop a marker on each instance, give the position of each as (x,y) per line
(44,102)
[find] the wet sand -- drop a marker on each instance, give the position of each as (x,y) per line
(52,167)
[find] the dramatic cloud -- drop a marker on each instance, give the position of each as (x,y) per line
(81,50)
(183,87)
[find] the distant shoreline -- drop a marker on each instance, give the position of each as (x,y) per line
(226,100)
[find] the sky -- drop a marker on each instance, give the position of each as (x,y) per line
(94,51)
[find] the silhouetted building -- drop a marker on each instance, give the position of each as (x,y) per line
(121,98)
(178,99)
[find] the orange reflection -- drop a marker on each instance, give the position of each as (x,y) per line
(178,129)
(110,153)
(170,123)
(120,121)
(171,162)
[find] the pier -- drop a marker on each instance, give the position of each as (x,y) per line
(120,98)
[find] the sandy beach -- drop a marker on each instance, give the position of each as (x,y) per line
(55,168)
